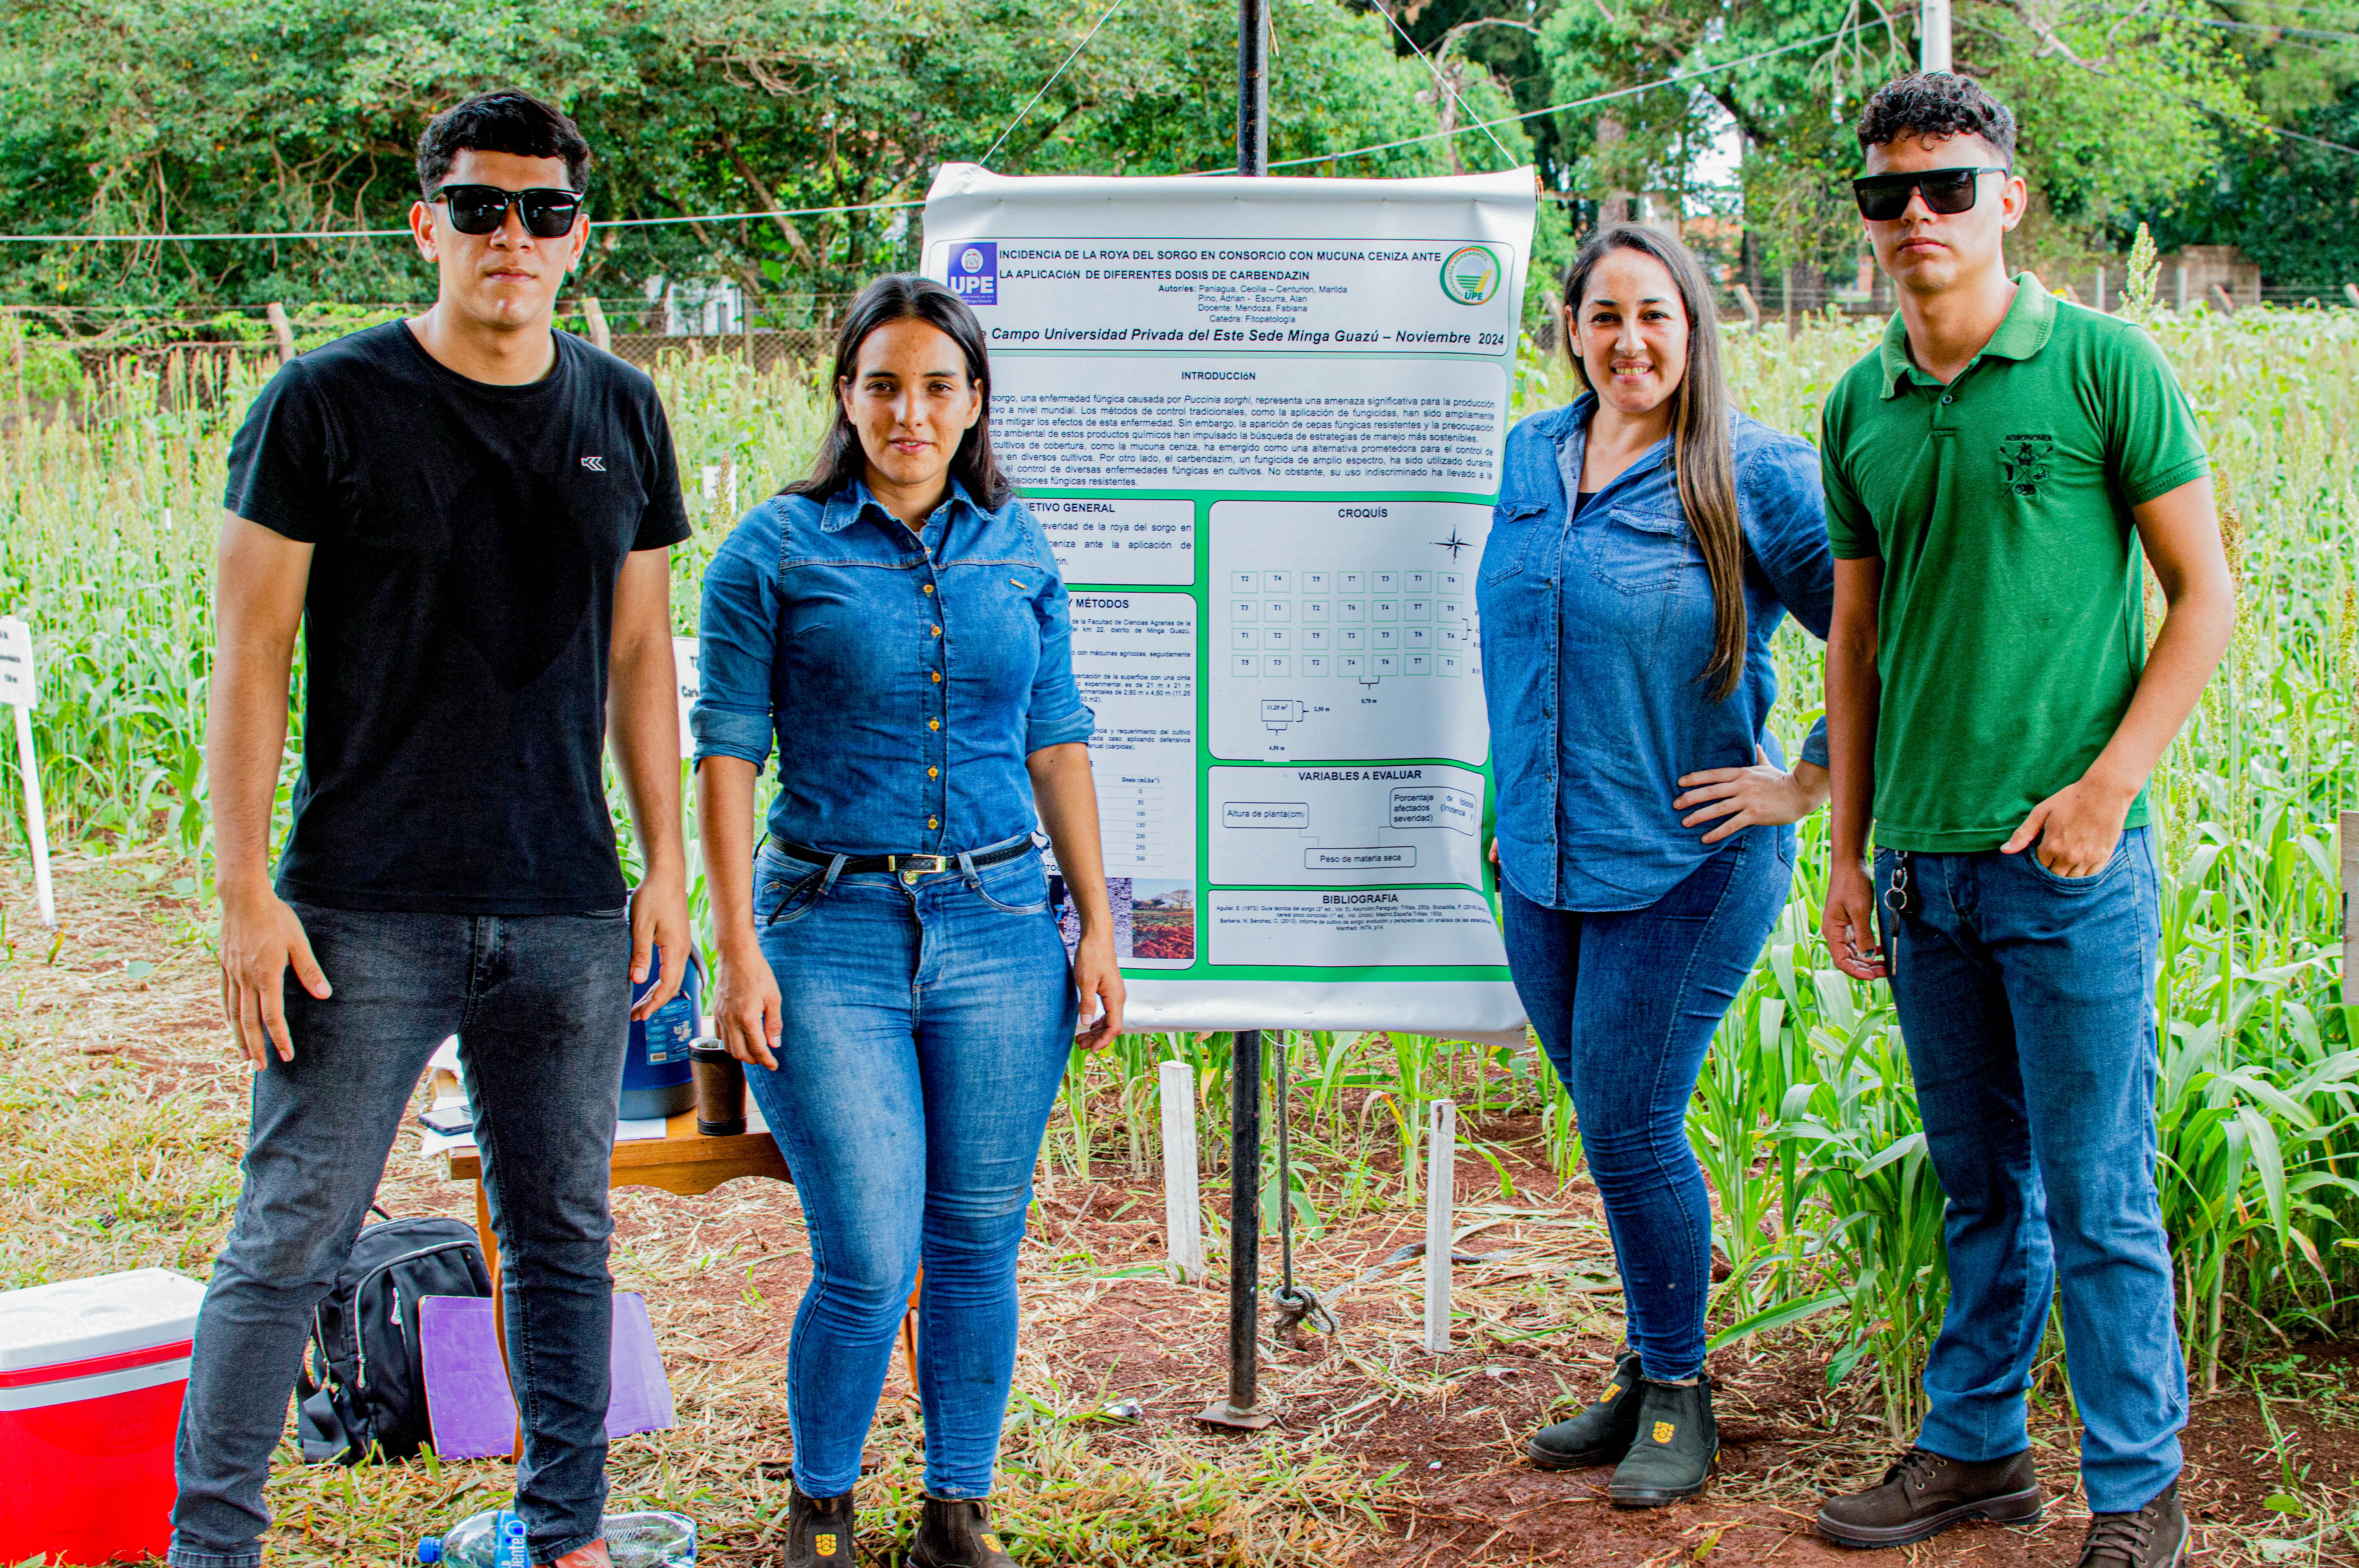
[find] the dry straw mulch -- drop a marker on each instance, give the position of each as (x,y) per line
(122,1116)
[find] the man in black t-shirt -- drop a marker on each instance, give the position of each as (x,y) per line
(469,517)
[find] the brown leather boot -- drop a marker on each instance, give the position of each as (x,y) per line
(819,1532)
(2153,1537)
(1924,1494)
(955,1532)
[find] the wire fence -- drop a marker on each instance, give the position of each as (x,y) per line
(49,354)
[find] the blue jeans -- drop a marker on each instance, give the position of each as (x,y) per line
(1624,1004)
(541,1006)
(2027,1001)
(928,1025)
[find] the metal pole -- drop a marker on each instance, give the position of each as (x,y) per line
(1253,86)
(1244,1099)
(1934,35)
(1245,1240)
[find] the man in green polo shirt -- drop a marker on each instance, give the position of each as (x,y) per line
(1995,471)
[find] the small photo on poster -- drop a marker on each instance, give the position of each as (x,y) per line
(1162,921)
(1154,920)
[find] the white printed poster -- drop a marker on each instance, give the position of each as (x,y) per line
(1260,421)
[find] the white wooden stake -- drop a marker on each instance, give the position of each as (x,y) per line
(1440,1183)
(1183,1218)
(17,691)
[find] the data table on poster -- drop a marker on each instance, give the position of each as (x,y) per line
(1343,628)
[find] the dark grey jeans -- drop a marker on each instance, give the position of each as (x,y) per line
(541,1006)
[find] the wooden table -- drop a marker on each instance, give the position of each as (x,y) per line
(682,1161)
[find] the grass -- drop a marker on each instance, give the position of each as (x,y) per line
(1804,1119)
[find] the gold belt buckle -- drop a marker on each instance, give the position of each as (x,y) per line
(908,865)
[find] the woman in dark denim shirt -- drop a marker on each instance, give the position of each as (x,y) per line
(890,970)
(1646,543)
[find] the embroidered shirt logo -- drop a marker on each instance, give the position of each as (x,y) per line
(990,1542)
(594,464)
(1663,1431)
(2027,460)
(824,1544)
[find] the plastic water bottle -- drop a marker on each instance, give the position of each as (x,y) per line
(494,1538)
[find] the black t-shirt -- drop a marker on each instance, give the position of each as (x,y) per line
(458,618)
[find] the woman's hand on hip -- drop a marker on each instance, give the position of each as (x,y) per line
(1762,795)
(1098,977)
(746,1011)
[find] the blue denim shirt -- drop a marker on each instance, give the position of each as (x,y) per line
(905,676)
(1594,630)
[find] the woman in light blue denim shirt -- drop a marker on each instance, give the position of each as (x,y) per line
(1646,544)
(889,970)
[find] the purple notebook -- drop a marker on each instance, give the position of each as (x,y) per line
(468,1403)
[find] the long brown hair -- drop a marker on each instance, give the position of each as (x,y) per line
(905,296)
(1700,443)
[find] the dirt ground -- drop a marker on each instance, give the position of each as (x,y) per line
(1427,1449)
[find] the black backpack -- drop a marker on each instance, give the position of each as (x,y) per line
(362,1384)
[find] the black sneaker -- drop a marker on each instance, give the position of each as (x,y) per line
(1923,1494)
(819,1532)
(1598,1435)
(2154,1537)
(1675,1451)
(955,1532)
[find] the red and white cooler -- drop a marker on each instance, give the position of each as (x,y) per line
(91,1376)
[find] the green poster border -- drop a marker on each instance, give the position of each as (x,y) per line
(1202,969)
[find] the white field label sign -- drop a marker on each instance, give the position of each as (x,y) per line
(17,691)
(1260,421)
(16,663)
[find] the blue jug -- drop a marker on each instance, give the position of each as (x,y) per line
(654,1070)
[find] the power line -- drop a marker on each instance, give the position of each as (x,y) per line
(2245,120)
(1438,81)
(389,233)
(2292,32)
(1582,102)
(1103,18)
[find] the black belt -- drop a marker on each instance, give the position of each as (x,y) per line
(923,864)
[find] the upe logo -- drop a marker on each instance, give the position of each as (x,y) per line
(974,272)
(1471,275)
(2026,462)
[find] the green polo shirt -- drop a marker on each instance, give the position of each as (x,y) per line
(2011,628)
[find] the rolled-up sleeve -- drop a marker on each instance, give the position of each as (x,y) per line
(736,640)
(1057,717)
(1788,536)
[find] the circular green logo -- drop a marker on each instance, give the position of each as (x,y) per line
(1472,274)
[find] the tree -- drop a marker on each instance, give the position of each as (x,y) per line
(141,116)
(2112,101)
(2288,202)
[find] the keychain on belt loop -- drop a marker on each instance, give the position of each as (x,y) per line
(1900,897)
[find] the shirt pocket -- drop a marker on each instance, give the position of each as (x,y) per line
(1642,553)
(1518,531)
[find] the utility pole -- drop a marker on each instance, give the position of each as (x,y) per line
(1240,1409)
(1934,35)
(1253,88)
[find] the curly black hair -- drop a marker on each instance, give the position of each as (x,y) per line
(503,121)
(1936,103)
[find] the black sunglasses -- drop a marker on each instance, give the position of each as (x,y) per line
(1884,197)
(548,213)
